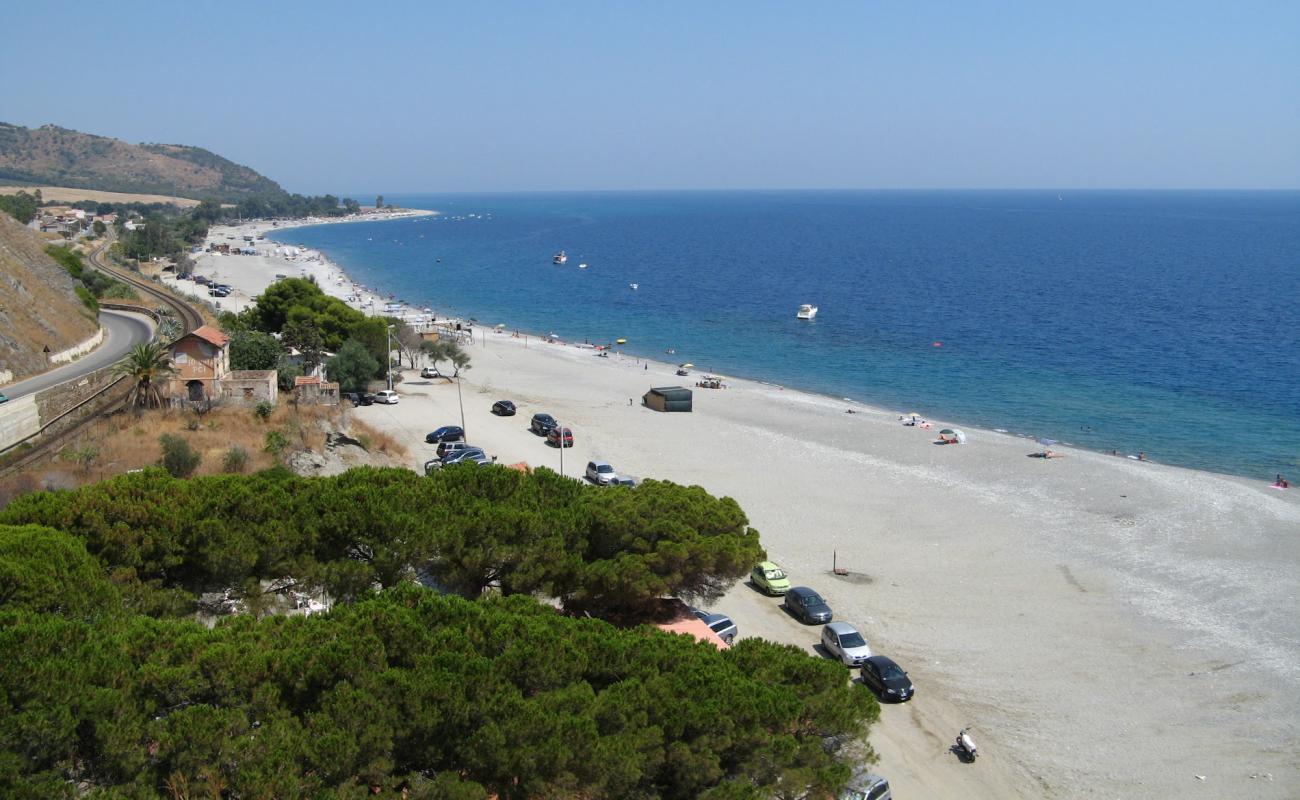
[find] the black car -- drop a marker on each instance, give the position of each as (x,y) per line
(360,398)
(503,408)
(807,606)
(447,433)
(543,424)
(887,679)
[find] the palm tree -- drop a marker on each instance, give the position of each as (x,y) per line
(147,365)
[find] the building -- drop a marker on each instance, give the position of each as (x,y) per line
(248,387)
(668,398)
(201,359)
(310,390)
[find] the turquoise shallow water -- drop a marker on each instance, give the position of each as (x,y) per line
(1167,323)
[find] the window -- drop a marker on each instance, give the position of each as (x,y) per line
(248,392)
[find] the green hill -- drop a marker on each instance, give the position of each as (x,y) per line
(54,156)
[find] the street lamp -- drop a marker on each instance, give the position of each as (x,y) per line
(461,400)
(388,354)
(560,430)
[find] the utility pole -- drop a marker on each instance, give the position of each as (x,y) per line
(461,400)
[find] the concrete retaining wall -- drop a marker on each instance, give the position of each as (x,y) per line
(79,349)
(19,419)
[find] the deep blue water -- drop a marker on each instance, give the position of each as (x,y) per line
(1164,322)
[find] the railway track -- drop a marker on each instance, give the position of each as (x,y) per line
(189,316)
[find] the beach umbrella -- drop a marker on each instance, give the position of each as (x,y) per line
(687,366)
(912,414)
(1045,442)
(501,326)
(947,432)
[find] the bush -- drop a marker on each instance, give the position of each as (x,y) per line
(178,458)
(276,442)
(192,424)
(263,410)
(235,460)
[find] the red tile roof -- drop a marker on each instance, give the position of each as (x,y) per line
(210,334)
(306,380)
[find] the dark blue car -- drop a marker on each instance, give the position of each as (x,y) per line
(447,433)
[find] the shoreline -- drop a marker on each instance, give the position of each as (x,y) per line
(1084,612)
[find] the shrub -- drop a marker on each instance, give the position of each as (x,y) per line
(276,442)
(192,424)
(263,410)
(178,458)
(235,460)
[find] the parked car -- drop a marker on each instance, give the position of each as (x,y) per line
(471,454)
(720,624)
(807,606)
(601,473)
(867,787)
(3,398)
(184,276)
(447,448)
(201,280)
(387,396)
(447,433)
(503,408)
(542,424)
(430,372)
(887,679)
(623,480)
(843,641)
(554,435)
(770,578)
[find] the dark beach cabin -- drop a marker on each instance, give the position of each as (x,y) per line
(668,398)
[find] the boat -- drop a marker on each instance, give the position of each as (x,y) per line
(559,258)
(582,265)
(634,286)
(806,311)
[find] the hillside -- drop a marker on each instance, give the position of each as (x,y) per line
(61,157)
(37,305)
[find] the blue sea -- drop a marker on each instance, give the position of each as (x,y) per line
(1159,322)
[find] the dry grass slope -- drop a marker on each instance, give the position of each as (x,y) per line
(37,305)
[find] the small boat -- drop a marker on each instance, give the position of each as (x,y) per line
(559,258)
(582,266)
(634,286)
(806,311)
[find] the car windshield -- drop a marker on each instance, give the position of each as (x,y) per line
(852,639)
(604,468)
(812,600)
(774,575)
(892,672)
(720,625)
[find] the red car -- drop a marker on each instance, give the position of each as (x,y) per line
(554,434)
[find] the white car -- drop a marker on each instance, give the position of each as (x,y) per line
(601,473)
(843,641)
(386,396)
(430,372)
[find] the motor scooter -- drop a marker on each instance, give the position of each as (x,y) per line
(965,746)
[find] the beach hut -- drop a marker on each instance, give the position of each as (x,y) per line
(668,398)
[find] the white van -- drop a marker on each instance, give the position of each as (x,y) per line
(386,396)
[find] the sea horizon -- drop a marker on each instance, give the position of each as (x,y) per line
(970,352)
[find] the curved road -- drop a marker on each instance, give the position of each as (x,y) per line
(122,331)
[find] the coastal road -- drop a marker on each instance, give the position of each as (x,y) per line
(122,331)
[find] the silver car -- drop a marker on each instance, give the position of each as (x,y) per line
(720,624)
(601,473)
(844,642)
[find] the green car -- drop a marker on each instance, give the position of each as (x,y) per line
(770,578)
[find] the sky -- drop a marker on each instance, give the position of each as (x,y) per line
(402,97)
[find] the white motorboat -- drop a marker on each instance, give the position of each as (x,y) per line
(634,286)
(559,258)
(582,266)
(806,311)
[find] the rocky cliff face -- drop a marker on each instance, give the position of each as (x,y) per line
(38,307)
